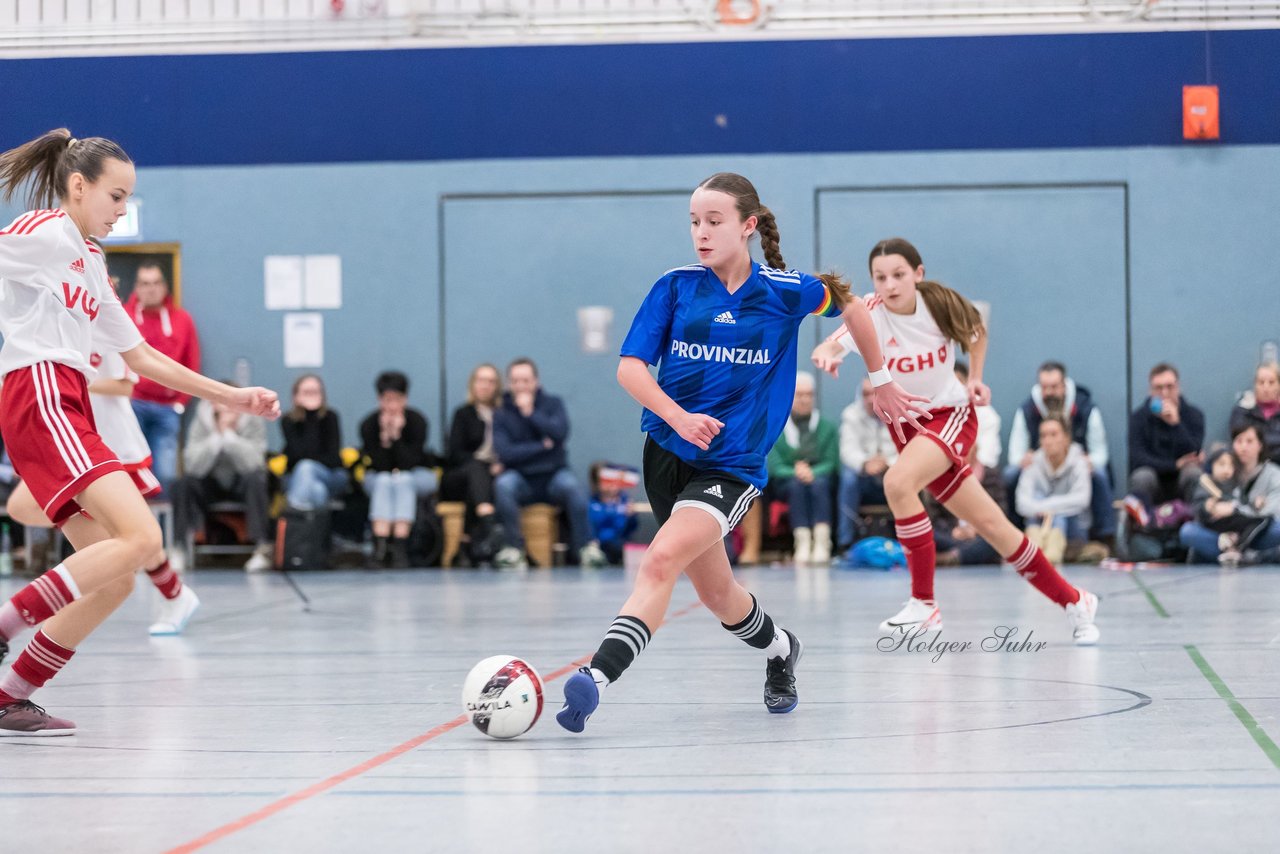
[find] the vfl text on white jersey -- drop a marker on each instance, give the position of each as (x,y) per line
(56,303)
(919,356)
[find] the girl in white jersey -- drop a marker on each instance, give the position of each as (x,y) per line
(117,425)
(56,308)
(920,325)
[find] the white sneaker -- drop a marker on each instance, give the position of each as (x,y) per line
(510,558)
(821,545)
(917,613)
(260,560)
(592,557)
(174,614)
(803,538)
(1081,615)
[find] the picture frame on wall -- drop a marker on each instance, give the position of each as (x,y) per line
(123,263)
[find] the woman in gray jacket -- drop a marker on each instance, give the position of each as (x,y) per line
(1261,497)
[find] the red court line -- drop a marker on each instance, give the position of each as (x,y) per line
(368,765)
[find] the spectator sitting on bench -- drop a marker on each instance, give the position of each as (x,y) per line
(394,439)
(866,452)
(613,518)
(801,466)
(472,464)
(225,460)
(529,433)
(312,447)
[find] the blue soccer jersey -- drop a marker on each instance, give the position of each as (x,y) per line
(730,356)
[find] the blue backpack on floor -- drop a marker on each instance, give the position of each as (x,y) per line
(875,553)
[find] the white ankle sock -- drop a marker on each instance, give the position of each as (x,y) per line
(780,647)
(602,681)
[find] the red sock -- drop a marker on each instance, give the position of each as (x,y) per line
(1032,565)
(916,535)
(39,662)
(38,601)
(168,582)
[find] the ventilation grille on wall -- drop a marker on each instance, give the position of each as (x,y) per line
(33,27)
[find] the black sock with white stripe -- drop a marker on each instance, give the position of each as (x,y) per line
(626,638)
(758,630)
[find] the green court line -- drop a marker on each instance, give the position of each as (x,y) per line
(1259,735)
(1151,597)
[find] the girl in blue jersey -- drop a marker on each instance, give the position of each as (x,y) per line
(724,334)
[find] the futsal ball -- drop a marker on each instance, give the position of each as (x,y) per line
(503,696)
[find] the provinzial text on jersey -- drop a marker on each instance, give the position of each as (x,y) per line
(715,353)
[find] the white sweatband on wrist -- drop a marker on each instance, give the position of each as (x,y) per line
(880,377)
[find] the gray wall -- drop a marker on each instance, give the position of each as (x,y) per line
(510,249)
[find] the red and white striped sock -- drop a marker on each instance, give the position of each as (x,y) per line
(916,535)
(39,662)
(38,601)
(168,582)
(1032,565)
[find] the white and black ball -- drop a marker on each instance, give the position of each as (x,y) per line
(503,696)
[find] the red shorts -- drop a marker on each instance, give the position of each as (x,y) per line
(143,478)
(48,430)
(954,429)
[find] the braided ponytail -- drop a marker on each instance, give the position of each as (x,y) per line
(767,226)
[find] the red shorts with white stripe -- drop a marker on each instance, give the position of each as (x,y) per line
(143,478)
(49,432)
(954,430)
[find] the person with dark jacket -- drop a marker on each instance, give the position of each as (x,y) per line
(312,447)
(1165,436)
(393,442)
(471,463)
(1261,408)
(1055,393)
(529,432)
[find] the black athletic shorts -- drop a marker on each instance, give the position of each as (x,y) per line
(670,483)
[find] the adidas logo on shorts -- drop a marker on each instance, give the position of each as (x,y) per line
(725,317)
(715,491)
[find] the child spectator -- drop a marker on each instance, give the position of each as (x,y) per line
(612,517)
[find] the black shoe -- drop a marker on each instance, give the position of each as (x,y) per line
(399,553)
(780,679)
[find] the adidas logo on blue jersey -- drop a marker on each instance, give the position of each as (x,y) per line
(725,317)
(714,491)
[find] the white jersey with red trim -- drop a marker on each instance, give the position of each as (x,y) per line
(113,413)
(56,303)
(919,356)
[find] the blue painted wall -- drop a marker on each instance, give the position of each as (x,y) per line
(1047,91)
(512,245)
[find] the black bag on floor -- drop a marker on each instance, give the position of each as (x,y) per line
(304,539)
(426,538)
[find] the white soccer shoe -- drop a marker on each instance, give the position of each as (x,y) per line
(1081,615)
(175,613)
(916,614)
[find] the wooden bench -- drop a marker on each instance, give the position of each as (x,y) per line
(540,524)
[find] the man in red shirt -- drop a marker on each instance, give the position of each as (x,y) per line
(171,331)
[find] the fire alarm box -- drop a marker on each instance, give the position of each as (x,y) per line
(1200,112)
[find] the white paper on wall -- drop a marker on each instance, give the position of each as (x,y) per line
(304,339)
(322,281)
(282,281)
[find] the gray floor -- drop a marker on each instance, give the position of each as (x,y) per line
(269,729)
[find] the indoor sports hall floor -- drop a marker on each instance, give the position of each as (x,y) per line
(266,729)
